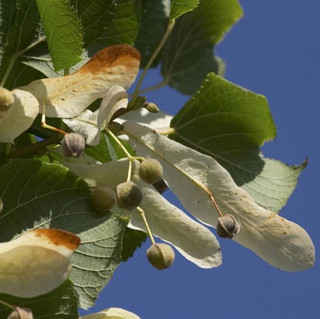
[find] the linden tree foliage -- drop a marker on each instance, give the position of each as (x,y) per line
(65,68)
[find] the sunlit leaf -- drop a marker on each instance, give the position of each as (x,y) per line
(36,262)
(19,116)
(63,32)
(70,95)
(196,178)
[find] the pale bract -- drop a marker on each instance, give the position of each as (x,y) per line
(112,313)
(70,95)
(89,124)
(36,262)
(194,241)
(19,116)
(193,176)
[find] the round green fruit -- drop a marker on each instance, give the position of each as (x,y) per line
(151,171)
(103,198)
(129,195)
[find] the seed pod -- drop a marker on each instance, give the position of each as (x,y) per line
(227,226)
(103,198)
(150,171)
(73,145)
(151,107)
(6,99)
(161,256)
(129,195)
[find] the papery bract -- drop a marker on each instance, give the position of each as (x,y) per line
(89,124)
(111,313)
(70,95)
(19,116)
(36,262)
(193,177)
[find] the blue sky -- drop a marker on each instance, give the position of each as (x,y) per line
(274,50)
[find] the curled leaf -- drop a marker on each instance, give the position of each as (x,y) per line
(21,313)
(70,95)
(17,118)
(36,262)
(89,124)
(195,177)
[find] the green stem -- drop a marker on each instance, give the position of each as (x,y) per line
(119,143)
(151,60)
(7,305)
(154,87)
(15,56)
(143,216)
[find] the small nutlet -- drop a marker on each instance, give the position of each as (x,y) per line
(227,226)
(103,198)
(151,107)
(6,99)
(161,256)
(73,145)
(150,171)
(129,195)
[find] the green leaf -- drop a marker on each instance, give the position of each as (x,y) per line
(132,240)
(179,7)
(154,24)
(20,34)
(94,17)
(63,32)
(188,54)
(60,303)
(124,26)
(230,123)
(37,194)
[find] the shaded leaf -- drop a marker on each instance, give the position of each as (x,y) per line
(61,303)
(37,194)
(179,7)
(23,31)
(124,26)
(188,54)
(63,32)
(95,17)
(230,123)
(153,26)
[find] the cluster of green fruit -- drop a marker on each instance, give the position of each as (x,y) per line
(127,195)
